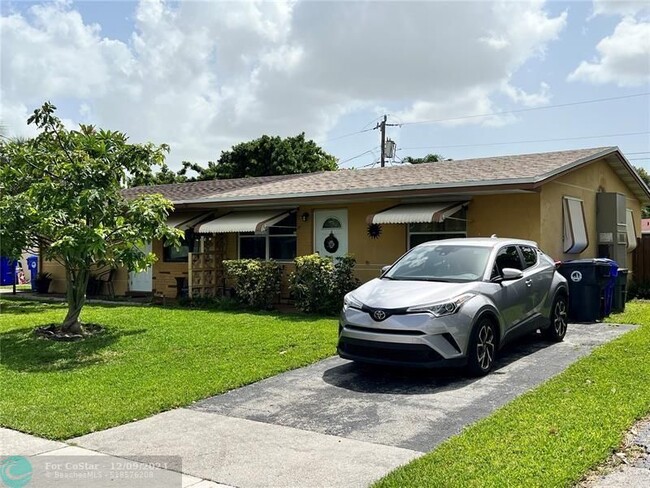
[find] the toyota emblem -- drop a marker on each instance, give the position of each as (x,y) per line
(379,315)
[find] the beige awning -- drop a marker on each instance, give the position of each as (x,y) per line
(416,213)
(250,221)
(184,221)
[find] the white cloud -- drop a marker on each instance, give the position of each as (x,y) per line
(202,76)
(621,7)
(542,97)
(623,57)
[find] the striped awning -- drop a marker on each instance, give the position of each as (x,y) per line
(187,220)
(249,221)
(416,213)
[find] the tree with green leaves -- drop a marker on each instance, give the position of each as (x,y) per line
(429,158)
(164,176)
(266,156)
(646,179)
(61,191)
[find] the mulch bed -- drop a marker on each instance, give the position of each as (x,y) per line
(53,332)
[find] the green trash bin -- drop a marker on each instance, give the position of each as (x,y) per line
(620,291)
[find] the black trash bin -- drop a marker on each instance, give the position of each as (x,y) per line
(620,291)
(588,280)
(181,287)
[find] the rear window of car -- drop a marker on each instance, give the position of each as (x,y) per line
(530,256)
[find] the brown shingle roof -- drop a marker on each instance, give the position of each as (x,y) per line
(501,170)
(202,189)
(465,171)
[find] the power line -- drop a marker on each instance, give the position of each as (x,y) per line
(357,156)
(531,109)
(348,135)
(528,141)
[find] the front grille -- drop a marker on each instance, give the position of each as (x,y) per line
(385,331)
(404,353)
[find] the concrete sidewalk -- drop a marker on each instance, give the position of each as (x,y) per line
(634,472)
(43,453)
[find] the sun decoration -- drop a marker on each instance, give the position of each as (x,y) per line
(374,231)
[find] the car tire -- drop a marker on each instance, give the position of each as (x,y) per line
(482,349)
(558,321)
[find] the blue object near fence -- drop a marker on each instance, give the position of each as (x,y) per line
(7,271)
(608,291)
(32,264)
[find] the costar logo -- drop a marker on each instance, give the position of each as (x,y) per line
(15,471)
(379,315)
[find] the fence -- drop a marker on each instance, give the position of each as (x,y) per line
(642,260)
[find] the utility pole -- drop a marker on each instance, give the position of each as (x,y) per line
(382,128)
(383,140)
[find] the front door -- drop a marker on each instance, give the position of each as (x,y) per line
(331,232)
(142,281)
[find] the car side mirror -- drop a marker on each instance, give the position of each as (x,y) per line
(383,270)
(511,274)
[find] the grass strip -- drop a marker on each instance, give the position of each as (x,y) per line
(149,360)
(554,434)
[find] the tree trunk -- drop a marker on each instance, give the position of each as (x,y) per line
(76,296)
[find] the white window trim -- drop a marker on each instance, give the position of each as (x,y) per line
(574,223)
(631,230)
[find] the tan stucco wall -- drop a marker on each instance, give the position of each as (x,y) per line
(512,215)
(371,254)
(120,280)
(583,183)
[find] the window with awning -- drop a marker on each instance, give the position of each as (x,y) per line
(184,221)
(631,230)
(264,234)
(575,226)
(417,213)
(426,221)
(257,221)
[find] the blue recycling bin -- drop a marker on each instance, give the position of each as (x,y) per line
(32,264)
(7,271)
(610,287)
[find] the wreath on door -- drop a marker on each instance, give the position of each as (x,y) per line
(331,243)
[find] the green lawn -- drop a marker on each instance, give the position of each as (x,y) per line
(554,434)
(150,359)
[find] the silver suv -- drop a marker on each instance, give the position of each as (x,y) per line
(454,302)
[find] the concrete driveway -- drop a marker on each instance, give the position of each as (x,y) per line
(335,423)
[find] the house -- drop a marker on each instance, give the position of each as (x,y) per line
(575,204)
(645,226)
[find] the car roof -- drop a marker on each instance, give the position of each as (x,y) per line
(478,242)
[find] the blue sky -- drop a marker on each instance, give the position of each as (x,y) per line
(202,76)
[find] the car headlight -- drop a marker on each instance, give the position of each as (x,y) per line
(350,302)
(447,307)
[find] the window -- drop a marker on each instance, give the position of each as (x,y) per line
(454,226)
(508,257)
(279,242)
(631,231)
(530,256)
(173,254)
(575,228)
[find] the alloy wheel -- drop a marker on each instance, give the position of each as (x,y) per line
(560,318)
(485,346)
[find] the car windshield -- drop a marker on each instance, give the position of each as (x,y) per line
(440,262)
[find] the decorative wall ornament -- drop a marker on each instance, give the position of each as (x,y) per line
(331,243)
(374,231)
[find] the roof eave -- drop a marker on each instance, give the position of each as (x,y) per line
(523,184)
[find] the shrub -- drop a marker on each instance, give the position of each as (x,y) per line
(639,290)
(257,282)
(318,284)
